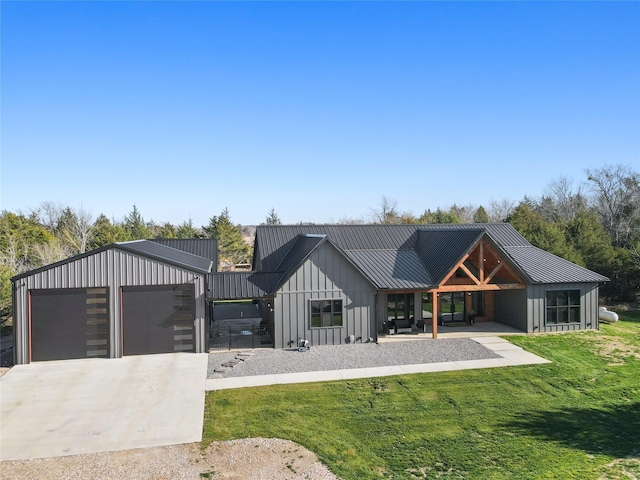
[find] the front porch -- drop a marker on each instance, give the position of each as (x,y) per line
(478,329)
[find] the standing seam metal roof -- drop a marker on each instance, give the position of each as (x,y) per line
(418,256)
(167,254)
(202,247)
(239,285)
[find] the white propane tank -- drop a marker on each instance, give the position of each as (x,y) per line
(607,316)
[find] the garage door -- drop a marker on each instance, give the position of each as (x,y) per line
(158,319)
(69,323)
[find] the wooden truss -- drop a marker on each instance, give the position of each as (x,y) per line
(481,269)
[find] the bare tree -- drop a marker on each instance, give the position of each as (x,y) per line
(350,221)
(463,212)
(49,213)
(76,231)
(499,210)
(563,201)
(387,211)
(50,252)
(15,256)
(616,191)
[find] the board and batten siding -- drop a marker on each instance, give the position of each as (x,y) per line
(326,274)
(510,308)
(536,307)
(113,269)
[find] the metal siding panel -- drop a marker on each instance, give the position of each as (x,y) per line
(326,274)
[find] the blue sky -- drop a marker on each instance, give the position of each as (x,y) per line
(316,109)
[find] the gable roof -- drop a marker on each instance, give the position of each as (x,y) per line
(414,256)
(167,254)
(144,248)
(202,247)
(441,250)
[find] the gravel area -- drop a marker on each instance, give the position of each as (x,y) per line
(249,458)
(339,357)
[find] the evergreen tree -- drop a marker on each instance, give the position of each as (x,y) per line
(481,215)
(187,230)
(18,237)
(272,218)
(439,216)
(105,233)
(544,235)
(167,231)
(135,225)
(232,248)
(588,238)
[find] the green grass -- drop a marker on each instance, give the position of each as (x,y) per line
(578,417)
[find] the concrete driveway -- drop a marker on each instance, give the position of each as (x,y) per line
(70,407)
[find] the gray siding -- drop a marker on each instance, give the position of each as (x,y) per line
(510,308)
(110,268)
(536,304)
(326,274)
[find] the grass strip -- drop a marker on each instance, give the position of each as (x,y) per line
(577,417)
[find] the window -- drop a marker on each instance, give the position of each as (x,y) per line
(563,306)
(326,313)
(400,306)
(427,305)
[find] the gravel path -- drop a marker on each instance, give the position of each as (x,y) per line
(338,357)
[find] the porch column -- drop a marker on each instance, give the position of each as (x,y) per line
(434,315)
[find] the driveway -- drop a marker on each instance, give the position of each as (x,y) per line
(71,407)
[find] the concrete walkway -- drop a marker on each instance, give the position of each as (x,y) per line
(69,407)
(510,355)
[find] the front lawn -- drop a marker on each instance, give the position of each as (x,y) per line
(578,417)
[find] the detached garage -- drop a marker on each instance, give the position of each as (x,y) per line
(127,298)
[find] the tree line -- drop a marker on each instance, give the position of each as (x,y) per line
(594,223)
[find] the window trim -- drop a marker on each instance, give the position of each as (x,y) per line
(333,312)
(568,307)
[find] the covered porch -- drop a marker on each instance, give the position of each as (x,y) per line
(463,303)
(480,329)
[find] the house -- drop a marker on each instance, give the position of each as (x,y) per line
(126,298)
(333,284)
(328,284)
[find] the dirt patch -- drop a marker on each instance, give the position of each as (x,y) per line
(249,458)
(622,469)
(614,349)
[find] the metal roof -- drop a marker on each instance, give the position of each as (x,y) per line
(202,247)
(167,254)
(392,269)
(415,256)
(302,247)
(543,267)
(440,250)
(238,285)
(145,248)
(274,242)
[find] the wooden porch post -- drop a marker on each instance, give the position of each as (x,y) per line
(434,315)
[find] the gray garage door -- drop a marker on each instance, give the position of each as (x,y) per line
(69,323)
(158,319)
